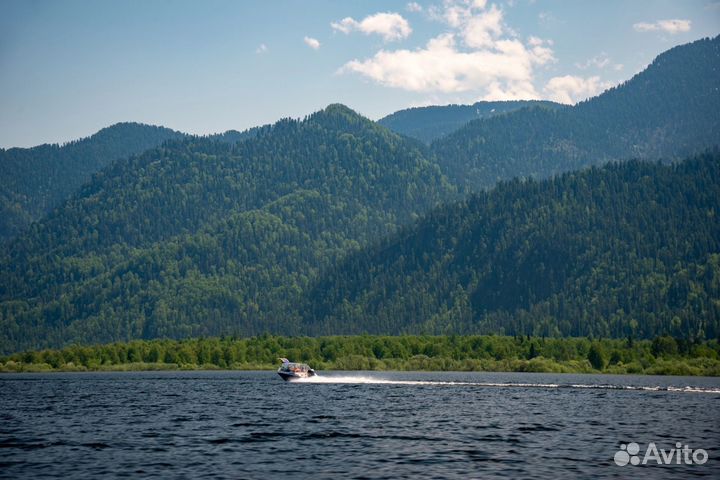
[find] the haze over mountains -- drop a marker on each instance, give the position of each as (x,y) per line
(319,226)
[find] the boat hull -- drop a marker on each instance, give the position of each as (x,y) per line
(290,376)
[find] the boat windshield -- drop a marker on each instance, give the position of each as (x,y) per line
(294,367)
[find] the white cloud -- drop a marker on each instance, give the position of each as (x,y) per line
(571,89)
(541,50)
(481,30)
(457,12)
(503,72)
(413,7)
(535,41)
(549,20)
(346,25)
(390,26)
(479,55)
(311,42)
(262,48)
(600,62)
(671,26)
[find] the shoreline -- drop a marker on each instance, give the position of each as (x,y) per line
(471,353)
(12,368)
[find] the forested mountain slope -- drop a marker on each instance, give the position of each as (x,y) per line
(35,180)
(630,249)
(430,123)
(248,232)
(203,237)
(669,111)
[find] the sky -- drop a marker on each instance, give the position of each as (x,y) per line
(71,67)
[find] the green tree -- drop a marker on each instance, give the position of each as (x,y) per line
(596,356)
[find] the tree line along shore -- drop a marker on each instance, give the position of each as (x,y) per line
(663,355)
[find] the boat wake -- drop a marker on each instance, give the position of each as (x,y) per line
(368,380)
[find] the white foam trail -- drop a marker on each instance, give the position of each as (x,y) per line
(694,390)
(369,380)
(357,379)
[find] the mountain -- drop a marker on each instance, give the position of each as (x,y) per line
(630,249)
(234,136)
(272,229)
(205,237)
(35,180)
(430,123)
(670,110)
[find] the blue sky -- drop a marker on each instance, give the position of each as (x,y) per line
(69,68)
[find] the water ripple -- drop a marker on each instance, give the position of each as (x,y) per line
(365,425)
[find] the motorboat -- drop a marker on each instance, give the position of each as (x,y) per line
(293,371)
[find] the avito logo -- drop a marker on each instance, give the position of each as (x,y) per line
(678,455)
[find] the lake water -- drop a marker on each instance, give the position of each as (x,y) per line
(351,425)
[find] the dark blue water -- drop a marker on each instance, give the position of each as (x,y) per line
(365,425)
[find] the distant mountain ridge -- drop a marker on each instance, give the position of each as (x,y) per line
(669,110)
(430,123)
(35,180)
